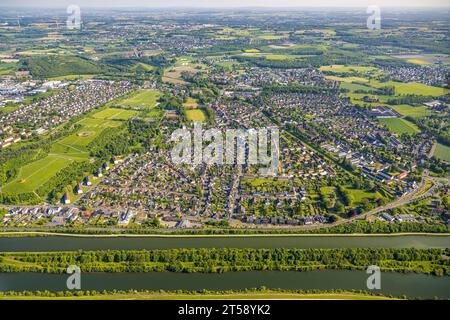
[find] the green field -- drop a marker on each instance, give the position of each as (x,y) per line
(36,173)
(442,152)
(415,112)
(115,114)
(358,195)
(414,88)
(351,83)
(66,150)
(142,99)
(346,69)
(399,125)
(195,115)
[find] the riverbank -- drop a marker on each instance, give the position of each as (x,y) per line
(255,235)
(197,296)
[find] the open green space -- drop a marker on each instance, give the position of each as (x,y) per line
(346,69)
(66,150)
(412,111)
(399,125)
(142,99)
(195,115)
(115,114)
(442,152)
(35,174)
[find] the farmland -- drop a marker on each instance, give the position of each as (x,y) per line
(412,111)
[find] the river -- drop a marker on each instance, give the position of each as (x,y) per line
(397,284)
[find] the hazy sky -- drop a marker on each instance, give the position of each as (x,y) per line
(226,3)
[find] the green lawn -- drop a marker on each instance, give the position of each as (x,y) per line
(415,112)
(358,195)
(195,115)
(399,125)
(442,152)
(35,174)
(115,114)
(142,99)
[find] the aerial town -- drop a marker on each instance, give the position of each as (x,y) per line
(209,153)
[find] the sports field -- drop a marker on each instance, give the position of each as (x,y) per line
(142,99)
(442,152)
(195,115)
(65,151)
(115,114)
(35,174)
(399,125)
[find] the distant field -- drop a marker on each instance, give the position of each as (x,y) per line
(400,126)
(142,99)
(346,69)
(442,152)
(400,87)
(418,61)
(271,36)
(73,77)
(415,112)
(195,115)
(348,79)
(415,88)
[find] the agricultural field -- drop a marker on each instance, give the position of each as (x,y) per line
(174,74)
(399,125)
(346,69)
(414,112)
(350,80)
(413,88)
